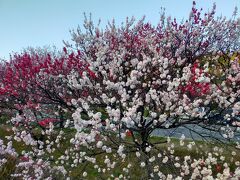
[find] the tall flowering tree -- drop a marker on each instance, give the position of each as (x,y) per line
(151,78)
(123,84)
(35,80)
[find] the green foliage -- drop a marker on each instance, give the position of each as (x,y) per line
(8,168)
(4,118)
(198,151)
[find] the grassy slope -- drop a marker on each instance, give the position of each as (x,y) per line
(197,152)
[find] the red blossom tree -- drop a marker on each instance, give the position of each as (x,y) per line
(33,80)
(123,84)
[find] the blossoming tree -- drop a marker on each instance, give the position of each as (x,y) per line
(137,79)
(37,80)
(150,78)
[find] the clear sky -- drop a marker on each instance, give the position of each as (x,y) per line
(38,23)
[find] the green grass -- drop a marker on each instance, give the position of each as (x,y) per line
(199,150)
(4,118)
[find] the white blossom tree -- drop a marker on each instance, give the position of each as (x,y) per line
(140,79)
(150,78)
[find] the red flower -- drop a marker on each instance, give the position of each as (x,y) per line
(65,50)
(91,73)
(128,133)
(45,122)
(196,88)
(24,158)
(218,168)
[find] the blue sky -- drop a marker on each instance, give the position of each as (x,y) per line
(38,23)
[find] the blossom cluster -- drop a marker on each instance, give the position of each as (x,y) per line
(105,99)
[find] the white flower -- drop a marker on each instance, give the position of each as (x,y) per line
(134,62)
(159,155)
(165,159)
(148,149)
(99,144)
(177,165)
(169,177)
(84,174)
(108,150)
(74,102)
(237,172)
(142,164)
(138,154)
(152,159)
(120,150)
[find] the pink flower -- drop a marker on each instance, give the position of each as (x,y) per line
(128,133)
(45,122)
(24,158)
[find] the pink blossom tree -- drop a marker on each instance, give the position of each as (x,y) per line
(34,80)
(126,83)
(154,78)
